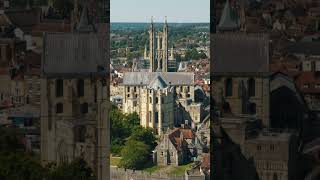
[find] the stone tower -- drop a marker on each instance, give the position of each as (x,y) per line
(145,55)
(158,55)
(159,52)
(74,98)
(152,47)
(165,47)
(157,105)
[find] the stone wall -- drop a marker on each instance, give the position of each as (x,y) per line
(123,174)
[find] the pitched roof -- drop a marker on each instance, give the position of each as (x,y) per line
(85,25)
(68,53)
(158,83)
(240,53)
(145,78)
(229,19)
(175,136)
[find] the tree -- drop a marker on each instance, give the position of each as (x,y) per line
(16,166)
(76,170)
(144,135)
(122,126)
(135,155)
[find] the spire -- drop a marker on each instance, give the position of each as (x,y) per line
(242,16)
(28,7)
(85,25)
(171,56)
(165,20)
(229,20)
(145,52)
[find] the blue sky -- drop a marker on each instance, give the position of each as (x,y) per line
(175,10)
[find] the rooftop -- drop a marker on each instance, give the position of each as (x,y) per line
(74,53)
(241,53)
(145,78)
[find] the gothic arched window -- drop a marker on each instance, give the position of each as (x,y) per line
(84,108)
(228,87)
(252,108)
(80,87)
(251,87)
(59,87)
(275,176)
(59,108)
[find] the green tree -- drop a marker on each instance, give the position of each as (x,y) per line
(76,170)
(122,126)
(145,135)
(135,155)
(17,166)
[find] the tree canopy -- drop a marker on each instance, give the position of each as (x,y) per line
(134,154)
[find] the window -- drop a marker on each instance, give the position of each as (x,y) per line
(228,88)
(275,177)
(128,95)
(80,133)
(27,100)
(1,96)
(84,108)
(156,117)
(135,89)
(80,87)
(272,147)
(150,117)
(161,153)
(252,108)
(59,87)
(157,100)
(259,148)
(251,87)
(59,108)
(306,86)
(162,100)
(150,99)
(128,89)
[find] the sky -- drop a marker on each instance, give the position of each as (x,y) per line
(178,11)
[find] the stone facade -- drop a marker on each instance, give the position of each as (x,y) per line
(75,98)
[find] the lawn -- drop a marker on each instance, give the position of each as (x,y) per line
(153,169)
(180,170)
(114,161)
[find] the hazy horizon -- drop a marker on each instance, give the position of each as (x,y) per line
(177,11)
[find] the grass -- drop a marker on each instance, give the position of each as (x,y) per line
(180,170)
(153,169)
(114,161)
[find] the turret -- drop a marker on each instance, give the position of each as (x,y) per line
(145,52)
(165,46)
(152,47)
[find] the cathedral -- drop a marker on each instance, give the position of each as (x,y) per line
(160,96)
